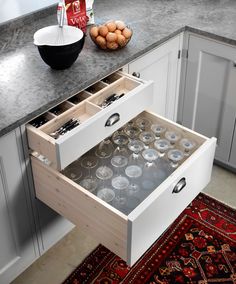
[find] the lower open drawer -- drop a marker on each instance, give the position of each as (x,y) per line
(128,235)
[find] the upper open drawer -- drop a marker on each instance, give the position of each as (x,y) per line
(70,129)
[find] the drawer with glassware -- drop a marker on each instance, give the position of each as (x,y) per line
(131,185)
(70,129)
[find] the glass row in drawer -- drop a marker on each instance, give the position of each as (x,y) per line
(126,167)
(71,113)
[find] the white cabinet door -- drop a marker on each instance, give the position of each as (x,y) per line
(232,159)
(209,101)
(162,66)
(16,235)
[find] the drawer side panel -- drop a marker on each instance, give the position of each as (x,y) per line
(42,143)
(80,208)
(162,207)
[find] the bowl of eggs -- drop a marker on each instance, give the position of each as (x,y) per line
(112,35)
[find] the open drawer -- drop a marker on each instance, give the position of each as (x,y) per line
(129,235)
(96,120)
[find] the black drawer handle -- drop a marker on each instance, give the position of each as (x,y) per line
(114,118)
(179,186)
(136,74)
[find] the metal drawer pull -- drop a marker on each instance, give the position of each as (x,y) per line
(114,118)
(179,186)
(136,74)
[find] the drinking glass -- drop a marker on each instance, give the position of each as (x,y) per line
(130,123)
(175,156)
(136,147)
(162,145)
(121,140)
(120,184)
(143,123)
(173,137)
(133,172)
(147,138)
(72,172)
(104,150)
(150,169)
(106,194)
(119,162)
(132,131)
(89,182)
(104,173)
(187,145)
(158,130)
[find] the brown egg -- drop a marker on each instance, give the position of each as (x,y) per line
(121,40)
(103,30)
(120,25)
(111,26)
(94,31)
(127,33)
(118,32)
(111,37)
(101,41)
(112,45)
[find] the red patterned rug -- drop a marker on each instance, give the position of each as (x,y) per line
(198,248)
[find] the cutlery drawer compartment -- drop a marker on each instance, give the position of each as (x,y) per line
(129,234)
(69,130)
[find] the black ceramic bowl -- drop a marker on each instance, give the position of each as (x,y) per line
(59,47)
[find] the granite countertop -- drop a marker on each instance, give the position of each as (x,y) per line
(29,87)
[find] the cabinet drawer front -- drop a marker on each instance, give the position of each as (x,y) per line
(163,206)
(79,142)
(129,236)
(96,122)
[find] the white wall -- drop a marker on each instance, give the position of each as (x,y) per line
(10,9)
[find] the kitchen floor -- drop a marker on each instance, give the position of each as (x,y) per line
(55,265)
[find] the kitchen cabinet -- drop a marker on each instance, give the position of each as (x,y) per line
(117,230)
(162,66)
(17,244)
(232,159)
(209,104)
(50,226)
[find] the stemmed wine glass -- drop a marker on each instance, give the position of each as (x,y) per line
(187,145)
(73,172)
(89,182)
(147,138)
(136,147)
(104,150)
(119,162)
(133,172)
(121,140)
(120,184)
(150,169)
(143,123)
(158,130)
(162,145)
(173,137)
(175,156)
(106,194)
(132,131)
(104,173)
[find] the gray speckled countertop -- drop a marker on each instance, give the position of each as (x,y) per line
(29,87)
